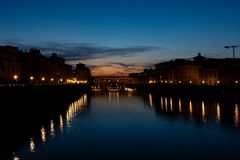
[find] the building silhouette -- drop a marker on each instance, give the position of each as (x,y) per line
(198,70)
(9,64)
(31,67)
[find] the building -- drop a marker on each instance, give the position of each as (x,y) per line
(137,78)
(9,65)
(31,67)
(199,70)
(210,70)
(81,74)
(35,67)
(185,72)
(59,70)
(229,71)
(180,71)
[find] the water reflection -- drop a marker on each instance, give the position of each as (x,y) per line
(150,100)
(161,102)
(218,115)
(32,146)
(15,156)
(74,108)
(113,96)
(61,123)
(55,126)
(95,133)
(203,112)
(52,129)
(190,109)
(43,135)
(171,107)
(166,104)
(199,109)
(180,105)
(236,116)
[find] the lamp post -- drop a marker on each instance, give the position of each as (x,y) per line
(15,78)
(233,47)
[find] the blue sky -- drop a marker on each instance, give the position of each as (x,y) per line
(115,37)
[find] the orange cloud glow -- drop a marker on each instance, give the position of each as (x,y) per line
(115,70)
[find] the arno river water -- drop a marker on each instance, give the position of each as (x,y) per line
(131,125)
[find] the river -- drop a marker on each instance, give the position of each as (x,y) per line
(131,125)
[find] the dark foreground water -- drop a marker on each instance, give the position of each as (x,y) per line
(130,125)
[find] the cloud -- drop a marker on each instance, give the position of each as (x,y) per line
(113,69)
(120,64)
(86,51)
(82,51)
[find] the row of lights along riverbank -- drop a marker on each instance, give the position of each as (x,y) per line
(52,80)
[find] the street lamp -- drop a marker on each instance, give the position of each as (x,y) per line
(233,47)
(15,77)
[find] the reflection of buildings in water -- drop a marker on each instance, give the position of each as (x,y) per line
(74,108)
(150,100)
(68,118)
(52,129)
(61,122)
(161,103)
(190,109)
(15,156)
(236,116)
(218,113)
(130,94)
(197,109)
(166,107)
(32,146)
(180,105)
(113,94)
(43,135)
(171,107)
(203,112)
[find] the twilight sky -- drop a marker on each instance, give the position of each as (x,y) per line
(117,37)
